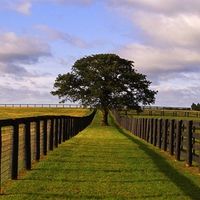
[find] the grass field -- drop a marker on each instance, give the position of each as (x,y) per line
(158,113)
(106,163)
(18,112)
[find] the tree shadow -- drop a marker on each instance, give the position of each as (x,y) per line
(188,187)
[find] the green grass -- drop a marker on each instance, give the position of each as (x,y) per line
(106,163)
(17,112)
(168,114)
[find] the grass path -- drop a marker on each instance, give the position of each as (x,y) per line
(105,163)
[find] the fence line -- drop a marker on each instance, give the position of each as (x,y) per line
(178,137)
(43,105)
(160,112)
(25,140)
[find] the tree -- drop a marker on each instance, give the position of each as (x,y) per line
(195,106)
(104,81)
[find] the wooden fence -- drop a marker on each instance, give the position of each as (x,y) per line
(178,137)
(25,140)
(161,112)
(43,105)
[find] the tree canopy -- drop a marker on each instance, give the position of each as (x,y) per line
(104,81)
(195,106)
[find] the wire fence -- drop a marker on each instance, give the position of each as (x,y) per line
(24,140)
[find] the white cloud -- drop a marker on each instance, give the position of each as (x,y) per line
(17,50)
(20,6)
(168,47)
(166,7)
(159,30)
(55,35)
(155,60)
(59,35)
(184,97)
(16,89)
(82,2)
(25,94)
(23,8)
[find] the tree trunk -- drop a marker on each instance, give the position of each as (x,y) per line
(104,121)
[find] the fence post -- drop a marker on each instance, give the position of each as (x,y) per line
(144,128)
(15,149)
(56,132)
(27,145)
(67,128)
(171,137)
(37,139)
(0,158)
(147,129)
(72,127)
(155,132)
(141,128)
(189,144)
(151,130)
(60,130)
(178,140)
(51,134)
(45,136)
(64,129)
(159,132)
(165,134)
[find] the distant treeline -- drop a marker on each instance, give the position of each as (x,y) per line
(195,106)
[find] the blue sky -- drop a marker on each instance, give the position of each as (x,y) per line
(40,39)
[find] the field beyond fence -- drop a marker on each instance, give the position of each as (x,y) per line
(180,138)
(146,112)
(24,140)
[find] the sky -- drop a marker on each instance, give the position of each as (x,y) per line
(40,39)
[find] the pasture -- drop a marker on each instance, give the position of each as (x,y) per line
(19,112)
(106,163)
(163,113)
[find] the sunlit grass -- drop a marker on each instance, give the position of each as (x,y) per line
(106,163)
(18,112)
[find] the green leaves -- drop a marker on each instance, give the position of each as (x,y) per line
(103,81)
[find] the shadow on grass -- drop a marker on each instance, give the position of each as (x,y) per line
(185,184)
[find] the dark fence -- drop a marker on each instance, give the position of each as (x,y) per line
(160,112)
(178,137)
(25,140)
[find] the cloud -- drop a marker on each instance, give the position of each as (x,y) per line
(24,94)
(54,35)
(18,50)
(170,35)
(166,7)
(156,60)
(24,6)
(76,2)
(168,96)
(59,35)
(167,31)
(19,89)
(167,49)
(20,6)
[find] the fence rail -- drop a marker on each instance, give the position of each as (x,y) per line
(25,140)
(42,105)
(178,137)
(160,112)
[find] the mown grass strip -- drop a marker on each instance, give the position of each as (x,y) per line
(106,163)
